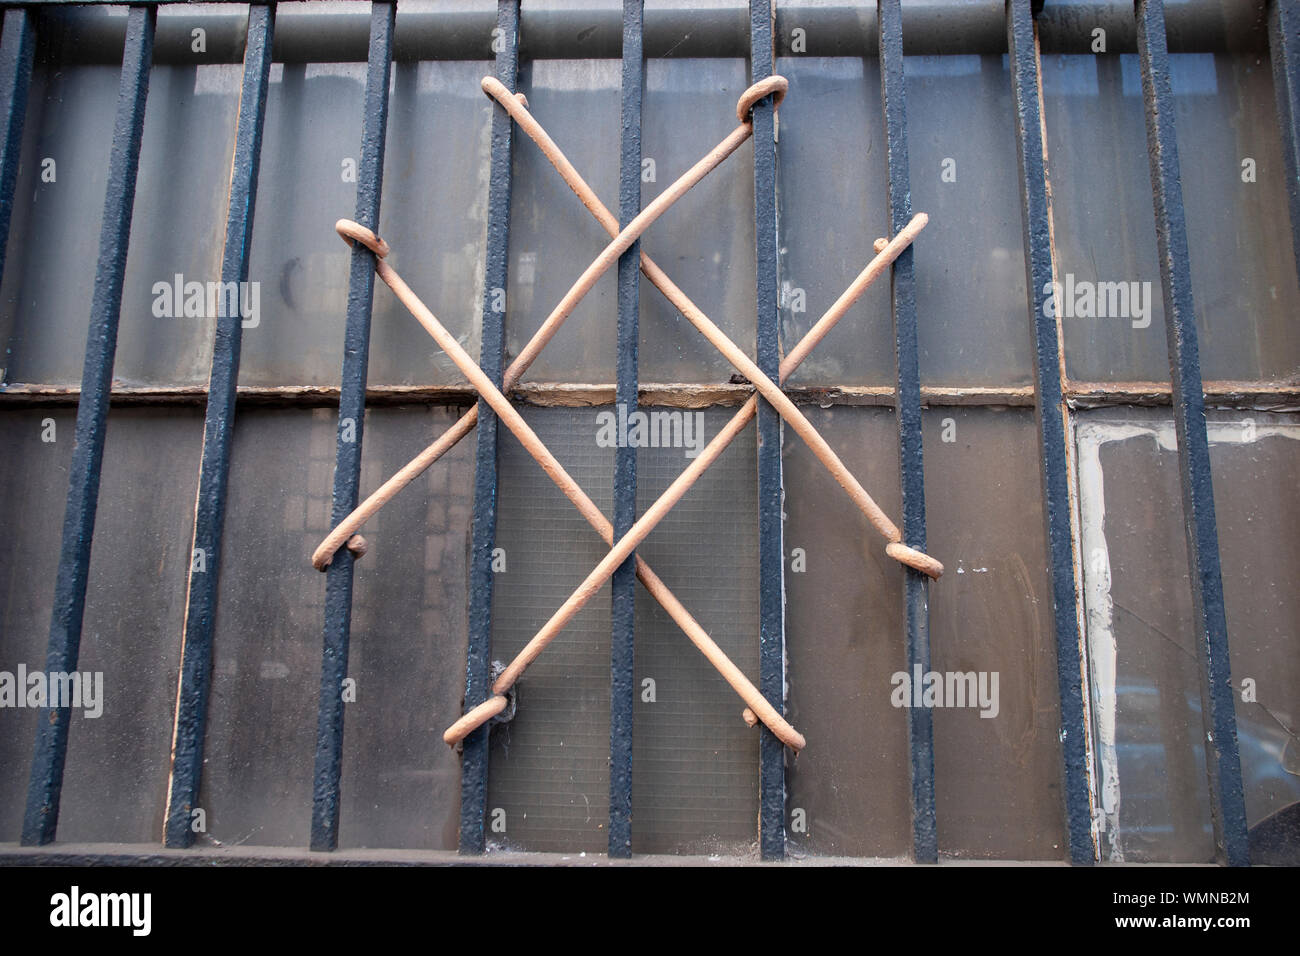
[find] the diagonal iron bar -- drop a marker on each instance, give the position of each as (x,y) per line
(515,104)
(352,523)
(758,707)
(627,545)
(887,252)
(743,364)
(757,704)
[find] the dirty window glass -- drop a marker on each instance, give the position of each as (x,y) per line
(997,765)
(1149,739)
(177,228)
(401,783)
(695,765)
(1243,267)
(115,781)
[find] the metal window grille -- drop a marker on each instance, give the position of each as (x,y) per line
(888,28)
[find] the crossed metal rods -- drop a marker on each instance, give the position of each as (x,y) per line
(758,708)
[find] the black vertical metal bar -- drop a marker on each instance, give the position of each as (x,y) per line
(41,818)
(771,545)
(1223,763)
(622,643)
(352,407)
(916,593)
(218,433)
(1284,50)
(1051,414)
(478,661)
(16,49)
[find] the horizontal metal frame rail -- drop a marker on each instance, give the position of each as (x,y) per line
(1262,396)
(1223,762)
(582,29)
(218,435)
(41,818)
(347,469)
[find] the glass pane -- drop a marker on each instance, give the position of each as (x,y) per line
(705,242)
(434,215)
(844,629)
(1238,229)
(695,769)
(997,752)
(115,778)
(833,207)
(401,784)
(553,238)
(1141,635)
(306,181)
(33,490)
(970,264)
(998,768)
(177,228)
(1243,266)
(550,764)
(54,232)
(695,761)
(1102,215)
